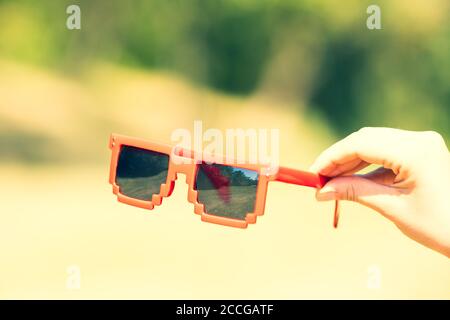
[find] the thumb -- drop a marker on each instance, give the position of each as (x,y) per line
(384,199)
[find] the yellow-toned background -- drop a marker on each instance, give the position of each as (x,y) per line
(57,209)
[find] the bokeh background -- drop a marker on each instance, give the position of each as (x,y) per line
(310,68)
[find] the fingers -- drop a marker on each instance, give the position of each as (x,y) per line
(349,168)
(370,145)
(382,198)
(381,176)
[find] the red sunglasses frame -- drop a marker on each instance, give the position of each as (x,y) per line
(182,161)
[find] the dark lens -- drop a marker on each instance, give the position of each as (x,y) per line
(141,172)
(226,191)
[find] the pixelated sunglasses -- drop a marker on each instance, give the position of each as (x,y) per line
(142,173)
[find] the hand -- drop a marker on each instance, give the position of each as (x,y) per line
(411,187)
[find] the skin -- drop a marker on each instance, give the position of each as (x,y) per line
(410,188)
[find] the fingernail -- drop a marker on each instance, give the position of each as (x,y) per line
(326,196)
(327,193)
(327,188)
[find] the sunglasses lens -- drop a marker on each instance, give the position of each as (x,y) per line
(141,172)
(226,191)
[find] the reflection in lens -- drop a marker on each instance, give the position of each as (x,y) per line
(226,191)
(141,172)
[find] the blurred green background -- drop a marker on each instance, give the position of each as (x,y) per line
(316,56)
(310,68)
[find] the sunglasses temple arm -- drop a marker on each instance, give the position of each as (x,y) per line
(308,179)
(302,178)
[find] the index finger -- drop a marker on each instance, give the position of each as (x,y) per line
(372,145)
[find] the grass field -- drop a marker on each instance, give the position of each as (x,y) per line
(142,187)
(241,201)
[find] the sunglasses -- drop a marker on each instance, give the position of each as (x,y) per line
(142,173)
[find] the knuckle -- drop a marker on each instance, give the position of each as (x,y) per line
(366,132)
(433,138)
(372,129)
(434,135)
(350,193)
(357,135)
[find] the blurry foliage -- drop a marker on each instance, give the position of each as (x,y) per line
(29,146)
(214,176)
(398,76)
(136,162)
